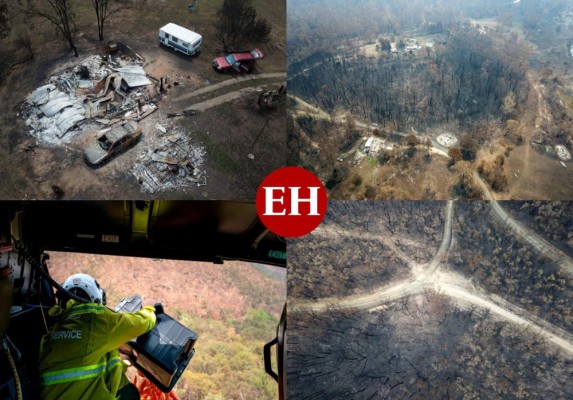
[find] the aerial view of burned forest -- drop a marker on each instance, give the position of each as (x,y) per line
(393,99)
(433,299)
(137,98)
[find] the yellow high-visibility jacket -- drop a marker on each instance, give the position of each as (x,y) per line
(79,357)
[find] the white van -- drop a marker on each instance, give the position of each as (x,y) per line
(180,39)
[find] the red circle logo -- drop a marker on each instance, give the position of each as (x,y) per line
(291,201)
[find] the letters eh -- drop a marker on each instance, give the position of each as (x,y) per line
(295,200)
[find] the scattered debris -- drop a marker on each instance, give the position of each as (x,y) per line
(175,162)
(138,113)
(184,113)
(100,88)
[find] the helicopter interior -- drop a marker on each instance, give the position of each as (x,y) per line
(208,231)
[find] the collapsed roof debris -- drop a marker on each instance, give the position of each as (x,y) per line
(174,162)
(133,76)
(106,89)
(47,115)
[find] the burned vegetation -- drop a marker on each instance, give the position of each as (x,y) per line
(507,265)
(465,80)
(376,89)
(421,347)
(483,312)
(359,246)
(553,220)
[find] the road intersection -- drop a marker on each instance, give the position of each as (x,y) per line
(435,276)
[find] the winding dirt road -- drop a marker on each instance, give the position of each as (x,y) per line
(431,276)
(540,244)
(529,236)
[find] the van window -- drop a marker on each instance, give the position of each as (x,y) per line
(174,39)
(167,36)
(185,44)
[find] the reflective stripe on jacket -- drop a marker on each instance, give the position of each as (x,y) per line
(79,357)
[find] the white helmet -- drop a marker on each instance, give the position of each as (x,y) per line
(88,285)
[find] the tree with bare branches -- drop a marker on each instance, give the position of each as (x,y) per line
(238,25)
(106,8)
(4,19)
(59,13)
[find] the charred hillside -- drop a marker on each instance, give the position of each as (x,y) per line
(468,76)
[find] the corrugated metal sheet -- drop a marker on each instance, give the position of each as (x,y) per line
(41,95)
(56,103)
(69,118)
(133,76)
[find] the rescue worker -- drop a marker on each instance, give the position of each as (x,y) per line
(79,357)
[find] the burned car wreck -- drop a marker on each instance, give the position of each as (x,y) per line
(111,142)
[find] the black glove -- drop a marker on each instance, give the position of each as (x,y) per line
(158,308)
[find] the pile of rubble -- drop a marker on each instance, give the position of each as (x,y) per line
(104,89)
(271,99)
(173,163)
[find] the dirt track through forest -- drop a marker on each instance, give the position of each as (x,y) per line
(317,113)
(385,240)
(532,238)
(540,244)
(431,276)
